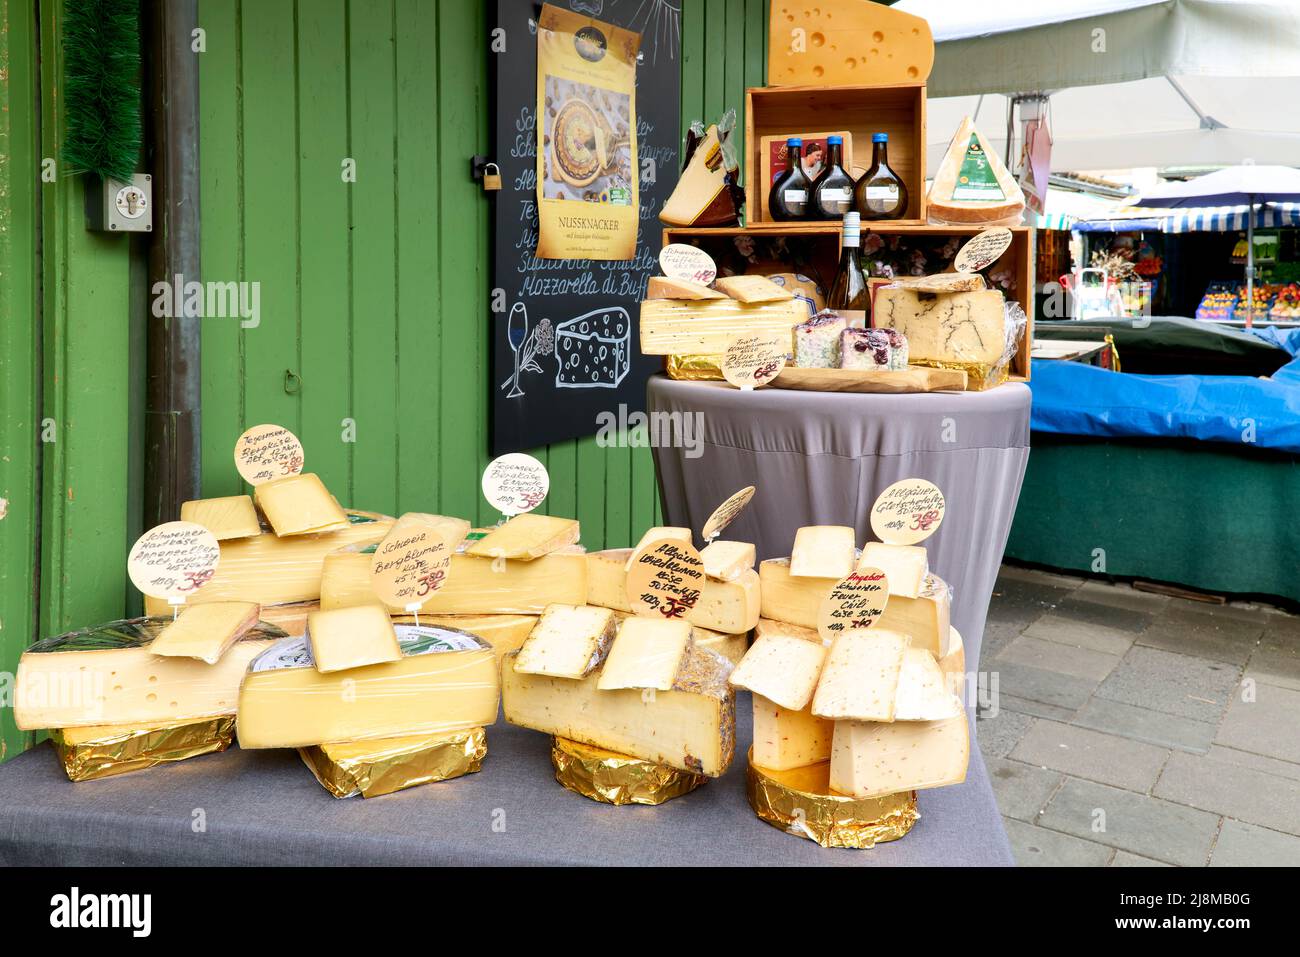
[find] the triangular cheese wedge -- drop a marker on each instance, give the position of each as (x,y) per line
(726,561)
(905,566)
(923,693)
(206,631)
(972,186)
(347,638)
(860,678)
(664,287)
(782,669)
(752,289)
(526,537)
(647,653)
(568,641)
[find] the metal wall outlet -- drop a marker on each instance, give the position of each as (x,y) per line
(116,207)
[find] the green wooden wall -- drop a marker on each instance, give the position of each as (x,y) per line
(374,294)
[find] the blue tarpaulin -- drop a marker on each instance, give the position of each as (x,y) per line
(1075,399)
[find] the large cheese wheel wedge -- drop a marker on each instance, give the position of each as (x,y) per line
(846,43)
(972,186)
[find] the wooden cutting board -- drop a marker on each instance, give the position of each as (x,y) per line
(911,379)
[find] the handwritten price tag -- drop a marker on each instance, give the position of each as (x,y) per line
(908,512)
(173,560)
(726,513)
(983,250)
(681,261)
(753,361)
(666,580)
(410,565)
(854,603)
(267,452)
(515,483)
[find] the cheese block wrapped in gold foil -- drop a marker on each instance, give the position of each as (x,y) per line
(105,750)
(800,802)
(612,778)
(384,765)
(694,368)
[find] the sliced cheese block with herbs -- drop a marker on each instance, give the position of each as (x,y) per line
(691,727)
(527,537)
(299,505)
(846,43)
(905,566)
(206,631)
(972,186)
(923,693)
(785,739)
(752,289)
(445,681)
(663,287)
(822,551)
(647,653)
(110,675)
(860,677)
(869,759)
(344,638)
(962,327)
(725,561)
(729,607)
(655,534)
(782,669)
(681,327)
(569,641)
(232,516)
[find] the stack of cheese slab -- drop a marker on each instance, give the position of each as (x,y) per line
(642,688)
(373,706)
(146,691)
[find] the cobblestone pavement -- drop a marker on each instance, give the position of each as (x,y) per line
(1132,729)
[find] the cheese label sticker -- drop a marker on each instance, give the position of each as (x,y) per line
(173,560)
(983,250)
(908,512)
(976,180)
(753,361)
(410,564)
(666,580)
(853,604)
(267,452)
(726,513)
(682,261)
(515,483)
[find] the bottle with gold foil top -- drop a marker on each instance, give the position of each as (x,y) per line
(880,193)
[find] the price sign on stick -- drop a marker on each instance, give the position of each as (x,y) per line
(515,483)
(853,604)
(173,560)
(682,261)
(752,361)
(983,250)
(267,452)
(666,580)
(908,512)
(726,513)
(410,565)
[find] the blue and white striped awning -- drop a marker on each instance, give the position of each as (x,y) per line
(1226,219)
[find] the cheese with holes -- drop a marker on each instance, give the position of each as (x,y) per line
(785,739)
(972,186)
(273,571)
(647,653)
(846,43)
(905,566)
(655,534)
(678,326)
(445,681)
(923,693)
(869,759)
(729,607)
(232,516)
(782,669)
(568,642)
(964,327)
(752,289)
(822,551)
(345,638)
(663,287)
(473,586)
(691,727)
(860,677)
(206,631)
(526,537)
(725,561)
(299,505)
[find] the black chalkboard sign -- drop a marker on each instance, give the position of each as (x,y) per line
(571,325)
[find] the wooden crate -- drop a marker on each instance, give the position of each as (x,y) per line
(896,109)
(822,241)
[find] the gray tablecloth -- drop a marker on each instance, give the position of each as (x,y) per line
(265,808)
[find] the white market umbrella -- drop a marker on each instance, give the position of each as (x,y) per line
(1234,186)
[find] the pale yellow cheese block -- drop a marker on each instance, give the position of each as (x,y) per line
(783,669)
(687,327)
(752,289)
(299,505)
(731,647)
(658,533)
(923,693)
(725,561)
(453,530)
(953,664)
(232,516)
(822,551)
(526,537)
(291,618)
(663,287)
(905,566)
(206,631)
(968,327)
(860,677)
(647,653)
(846,43)
(785,739)
(729,607)
(569,641)
(869,759)
(346,638)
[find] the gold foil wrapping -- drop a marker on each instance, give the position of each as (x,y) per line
(694,368)
(613,778)
(979,375)
(800,802)
(384,765)
(100,752)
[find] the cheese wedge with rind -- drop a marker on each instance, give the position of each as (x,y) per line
(727,607)
(876,45)
(785,739)
(569,641)
(207,631)
(527,537)
(231,516)
(782,669)
(752,289)
(905,566)
(725,561)
(822,551)
(972,186)
(869,759)
(860,678)
(664,287)
(345,638)
(646,653)
(299,505)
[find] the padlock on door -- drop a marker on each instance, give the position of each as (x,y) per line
(491,177)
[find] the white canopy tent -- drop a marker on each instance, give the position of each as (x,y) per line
(1128,82)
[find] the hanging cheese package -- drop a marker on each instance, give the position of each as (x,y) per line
(587,153)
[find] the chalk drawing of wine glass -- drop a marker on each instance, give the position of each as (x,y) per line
(516,332)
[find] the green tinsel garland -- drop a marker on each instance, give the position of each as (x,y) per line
(101,86)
